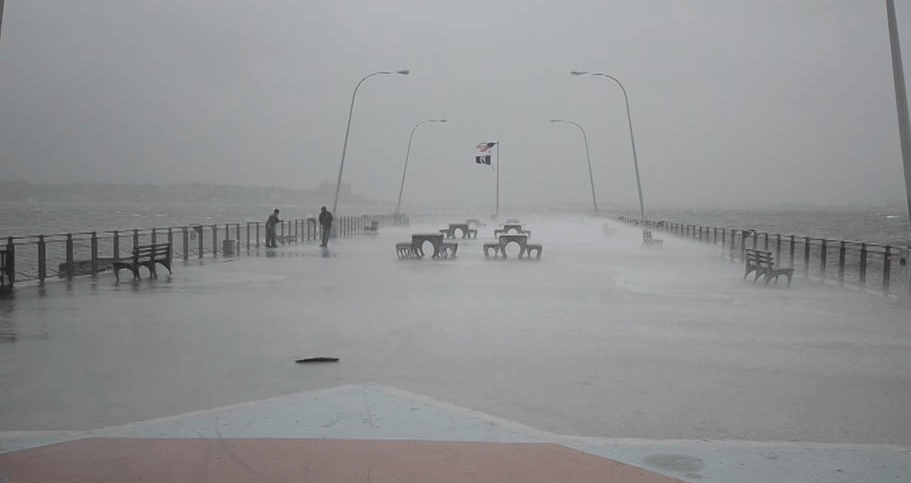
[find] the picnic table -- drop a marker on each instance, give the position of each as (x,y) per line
(415,249)
(507,227)
(476,222)
(499,248)
(466,231)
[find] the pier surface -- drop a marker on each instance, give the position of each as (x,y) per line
(602,361)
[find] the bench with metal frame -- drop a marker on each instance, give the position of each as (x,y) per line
(145,256)
(763,264)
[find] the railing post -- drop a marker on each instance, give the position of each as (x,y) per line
(841,264)
(214,241)
(171,239)
(11,260)
(199,231)
(791,251)
(755,239)
(69,256)
(237,233)
(823,259)
(715,236)
(724,240)
(806,257)
(778,247)
(135,238)
(765,241)
(283,223)
(116,245)
(887,269)
(94,254)
(733,243)
(257,234)
(154,236)
(42,259)
(863,264)
(186,242)
(248,236)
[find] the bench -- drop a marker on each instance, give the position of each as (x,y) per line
(144,256)
(466,231)
(650,242)
(763,264)
(415,248)
(373,228)
(7,270)
(499,248)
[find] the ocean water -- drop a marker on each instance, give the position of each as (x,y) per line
(882,226)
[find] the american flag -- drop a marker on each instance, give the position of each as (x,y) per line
(485,147)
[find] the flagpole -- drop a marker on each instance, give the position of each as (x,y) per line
(498,179)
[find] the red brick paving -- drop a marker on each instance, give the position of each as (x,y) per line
(313,460)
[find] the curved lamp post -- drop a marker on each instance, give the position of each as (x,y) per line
(341,166)
(407,154)
(590,177)
(631,138)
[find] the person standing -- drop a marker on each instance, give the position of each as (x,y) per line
(270,229)
(325,224)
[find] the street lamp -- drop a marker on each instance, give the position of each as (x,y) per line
(631,138)
(590,177)
(341,166)
(407,154)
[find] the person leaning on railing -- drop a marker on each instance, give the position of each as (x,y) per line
(270,229)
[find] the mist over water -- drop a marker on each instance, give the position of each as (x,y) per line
(874,225)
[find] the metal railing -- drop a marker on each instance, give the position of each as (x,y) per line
(867,266)
(66,255)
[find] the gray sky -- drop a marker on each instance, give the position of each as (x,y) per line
(757,102)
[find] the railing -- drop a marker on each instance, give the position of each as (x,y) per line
(66,255)
(867,266)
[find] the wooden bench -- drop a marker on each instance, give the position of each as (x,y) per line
(145,256)
(466,231)
(373,228)
(763,264)
(650,242)
(499,248)
(7,270)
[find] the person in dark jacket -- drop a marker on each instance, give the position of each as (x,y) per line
(325,223)
(270,229)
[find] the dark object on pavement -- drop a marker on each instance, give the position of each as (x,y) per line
(316,359)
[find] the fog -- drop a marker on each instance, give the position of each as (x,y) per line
(755,102)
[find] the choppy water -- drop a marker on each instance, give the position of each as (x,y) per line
(873,225)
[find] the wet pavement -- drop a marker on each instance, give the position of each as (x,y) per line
(663,360)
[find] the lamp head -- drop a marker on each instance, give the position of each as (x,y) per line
(577,72)
(556,120)
(403,72)
(441,120)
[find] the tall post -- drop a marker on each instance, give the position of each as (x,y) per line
(398,205)
(591,178)
(632,138)
(341,166)
(498,179)
(901,98)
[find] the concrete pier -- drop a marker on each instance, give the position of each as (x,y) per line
(600,362)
